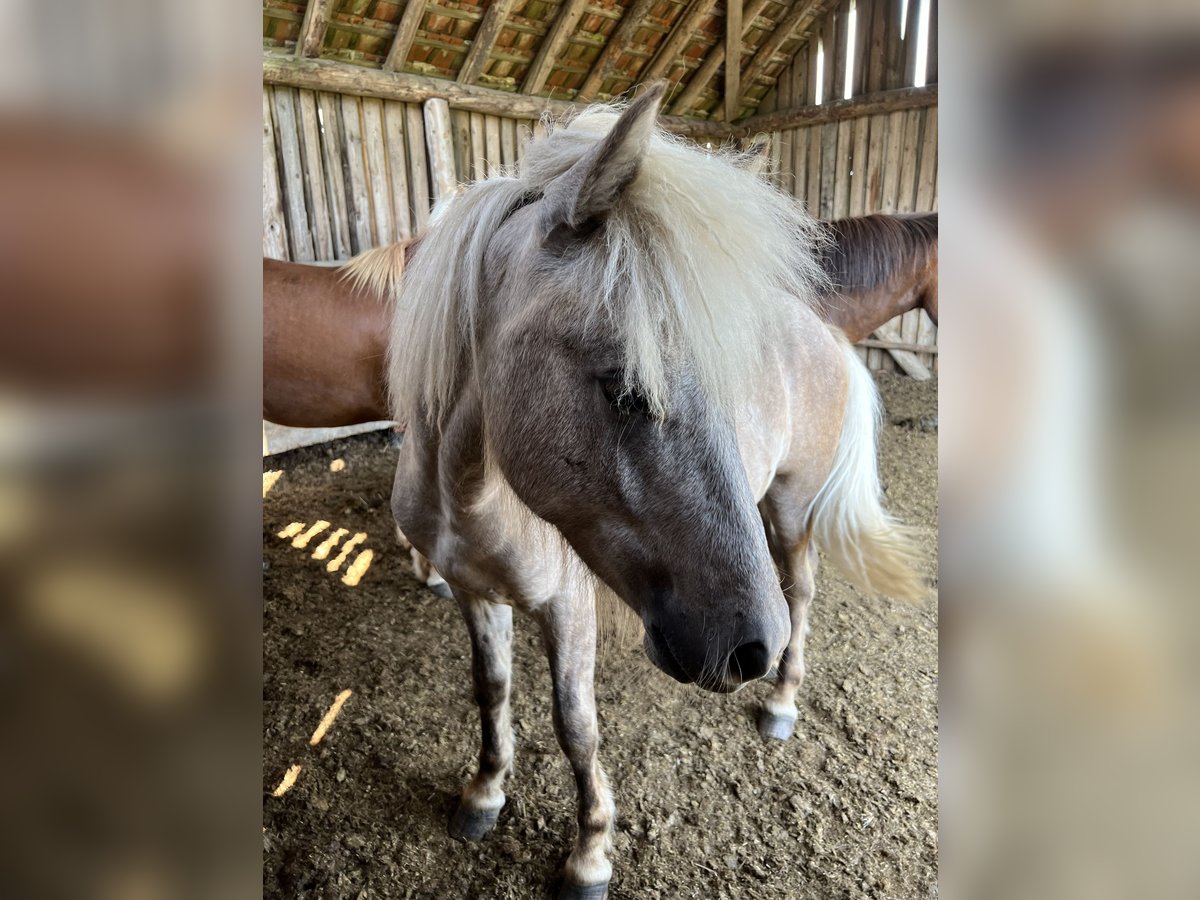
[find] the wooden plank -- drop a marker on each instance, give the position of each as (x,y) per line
(406,32)
(926,339)
(439,142)
(799,141)
(418,166)
(713,60)
(912,26)
(801,16)
(927,175)
(926,349)
(460,125)
(867,105)
(858,165)
(891,164)
(343,78)
(377,174)
(812,193)
(359,195)
(828,168)
(552,45)
(275,243)
(508,142)
(491,130)
(396,149)
(620,41)
(862,33)
(877,148)
(733,50)
(478,147)
(484,40)
(829,42)
(931,59)
(677,39)
(314,177)
(335,185)
(845,141)
(840,57)
(877,46)
(292,182)
(312,29)
(910,160)
(895,47)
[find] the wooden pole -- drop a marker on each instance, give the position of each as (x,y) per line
(484,40)
(552,44)
(835,111)
(733,53)
(313,28)
(679,37)
(406,33)
(441,148)
(620,41)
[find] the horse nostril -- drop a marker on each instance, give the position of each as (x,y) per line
(749,661)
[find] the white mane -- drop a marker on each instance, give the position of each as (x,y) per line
(700,261)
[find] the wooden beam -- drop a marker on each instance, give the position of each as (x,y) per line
(406,33)
(801,16)
(866,105)
(343,78)
(312,29)
(702,76)
(905,359)
(733,50)
(621,40)
(874,343)
(675,42)
(484,40)
(552,44)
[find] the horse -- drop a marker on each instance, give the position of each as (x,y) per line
(616,383)
(878,267)
(325,338)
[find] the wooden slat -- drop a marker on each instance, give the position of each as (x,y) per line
(406,32)
(927,176)
(508,142)
(840,58)
(891,164)
(397,169)
(877,148)
(801,16)
(912,26)
(292,182)
(358,196)
(829,133)
(829,40)
(312,29)
(845,143)
(460,129)
(910,160)
(377,174)
(438,127)
(812,197)
(484,40)
(858,163)
(418,166)
(867,105)
(275,243)
(552,45)
(478,147)
(733,50)
(906,359)
(931,59)
(895,47)
(713,60)
(618,43)
(314,177)
(676,40)
(862,33)
(491,130)
(877,46)
(914,347)
(332,147)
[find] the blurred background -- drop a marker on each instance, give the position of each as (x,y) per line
(130,445)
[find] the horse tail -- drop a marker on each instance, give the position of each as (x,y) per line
(870,547)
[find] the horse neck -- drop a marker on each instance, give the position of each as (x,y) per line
(859,312)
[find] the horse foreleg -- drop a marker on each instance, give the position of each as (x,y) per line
(490,626)
(569,631)
(777,720)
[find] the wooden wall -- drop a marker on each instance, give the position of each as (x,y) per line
(343,174)
(881,163)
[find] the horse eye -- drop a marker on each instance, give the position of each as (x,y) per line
(624,400)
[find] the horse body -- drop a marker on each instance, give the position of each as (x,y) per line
(879,267)
(610,386)
(325,340)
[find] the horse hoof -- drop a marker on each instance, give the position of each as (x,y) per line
(773,727)
(442,590)
(472,824)
(572,891)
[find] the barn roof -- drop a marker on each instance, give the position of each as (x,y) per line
(570,50)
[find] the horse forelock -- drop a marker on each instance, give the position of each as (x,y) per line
(699,262)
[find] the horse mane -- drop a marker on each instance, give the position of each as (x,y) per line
(864,252)
(378,271)
(698,260)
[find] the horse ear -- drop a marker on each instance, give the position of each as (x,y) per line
(590,188)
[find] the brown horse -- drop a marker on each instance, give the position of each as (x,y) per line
(880,266)
(325,341)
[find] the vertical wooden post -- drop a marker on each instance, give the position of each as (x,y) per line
(733,57)
(441,148)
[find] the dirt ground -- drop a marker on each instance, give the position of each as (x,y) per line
(706,809)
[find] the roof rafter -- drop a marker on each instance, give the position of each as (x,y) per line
(312,29)
(484,41)
(702,76)
(564,25)
(620,41)
(406,32)
(733,50)
(801,16)
(678,38)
